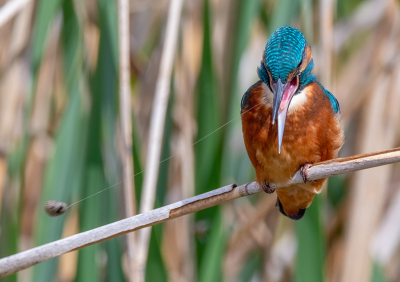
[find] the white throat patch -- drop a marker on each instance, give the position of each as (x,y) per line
(297,102)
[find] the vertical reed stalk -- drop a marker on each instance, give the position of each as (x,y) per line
(126,127)
(157,129)
(377,132)
(326,11)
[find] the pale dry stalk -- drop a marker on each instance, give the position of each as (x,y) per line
(252,233)
(157,129)
(364,195)
(21,30)
(10,9)
(326,9)
(15,72)
(10,113)
(178,242)
(369,190)
(367,15)
(387,236)
(355,79)
(40,141)
(126,128)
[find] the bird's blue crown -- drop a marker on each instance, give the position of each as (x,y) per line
(283,54)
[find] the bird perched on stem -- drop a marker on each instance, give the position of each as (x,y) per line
(289,121)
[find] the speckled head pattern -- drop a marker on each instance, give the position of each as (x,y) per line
(283,54)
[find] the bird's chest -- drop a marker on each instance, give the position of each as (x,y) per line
(297,147)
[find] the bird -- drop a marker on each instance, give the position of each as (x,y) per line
(289,121)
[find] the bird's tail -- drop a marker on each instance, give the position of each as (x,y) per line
(293,201)
(300,213)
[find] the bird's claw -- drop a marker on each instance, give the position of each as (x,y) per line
(304,172)
(267,188)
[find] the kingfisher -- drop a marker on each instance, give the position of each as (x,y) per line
(289,121)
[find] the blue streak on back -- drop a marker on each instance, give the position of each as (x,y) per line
(332,99)
(306,77)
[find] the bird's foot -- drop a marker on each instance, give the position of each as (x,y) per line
(267,188)
(304,171)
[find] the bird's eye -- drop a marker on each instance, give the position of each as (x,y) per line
(298,66)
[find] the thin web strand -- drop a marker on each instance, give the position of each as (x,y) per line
(170,157)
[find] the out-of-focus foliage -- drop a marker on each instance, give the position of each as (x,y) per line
(60,138)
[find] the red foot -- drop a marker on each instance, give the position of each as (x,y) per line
(304,171)
(267,188)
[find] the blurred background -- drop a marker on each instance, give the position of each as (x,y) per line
(61,136)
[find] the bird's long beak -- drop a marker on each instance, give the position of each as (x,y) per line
(283,94)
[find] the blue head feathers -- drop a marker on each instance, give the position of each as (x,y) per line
(284,51)
(283,55)
(286,69)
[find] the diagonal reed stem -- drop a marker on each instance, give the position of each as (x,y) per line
(17,262)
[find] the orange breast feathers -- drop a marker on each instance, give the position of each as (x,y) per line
(312,134)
